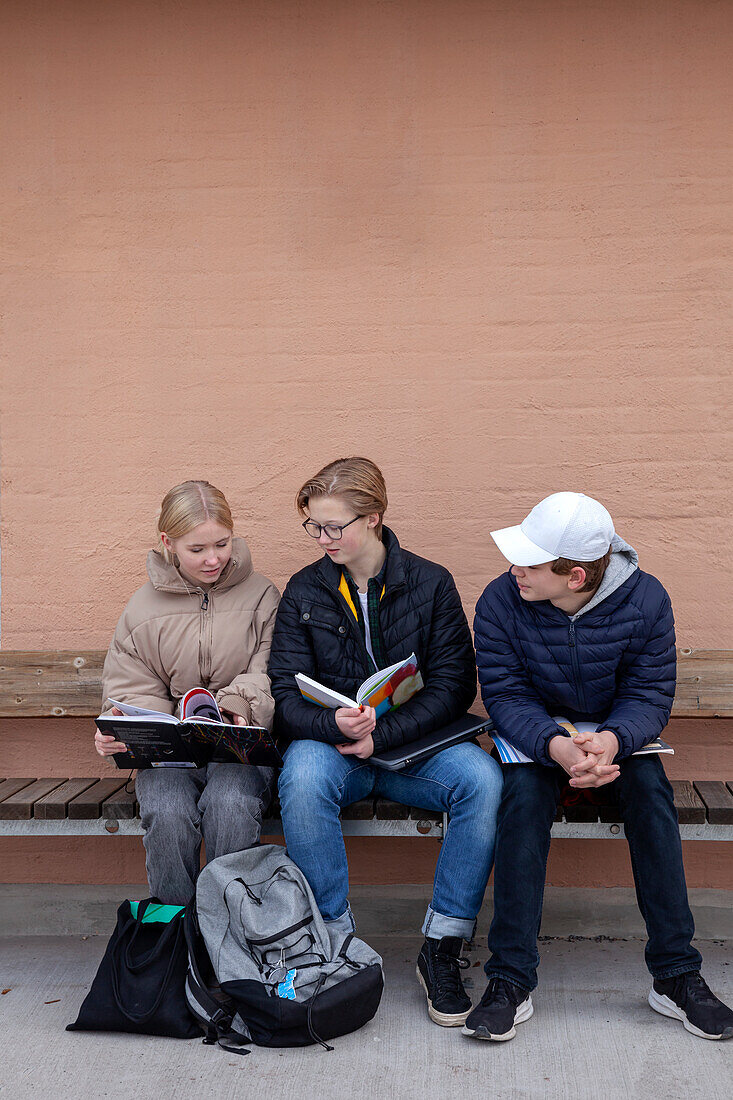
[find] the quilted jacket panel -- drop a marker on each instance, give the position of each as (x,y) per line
(317,634)
(615,664)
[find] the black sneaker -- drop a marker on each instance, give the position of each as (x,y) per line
(439,973)
(688,998)
(502,1006)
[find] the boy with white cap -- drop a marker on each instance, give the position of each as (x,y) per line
(576,629)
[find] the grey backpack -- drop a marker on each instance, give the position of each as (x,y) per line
(264,966)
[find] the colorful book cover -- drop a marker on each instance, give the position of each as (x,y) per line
(384,690)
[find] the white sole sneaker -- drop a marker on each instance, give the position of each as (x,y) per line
(442,1018)
(524,1011)
(665,1006)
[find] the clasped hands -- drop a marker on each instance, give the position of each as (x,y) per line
(587,757)
(357,725)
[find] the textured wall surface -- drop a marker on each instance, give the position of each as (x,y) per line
(487,244)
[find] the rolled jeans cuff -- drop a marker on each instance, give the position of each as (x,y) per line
(437,925)
(344,923)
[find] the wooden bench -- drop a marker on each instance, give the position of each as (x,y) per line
(95,807)
(61,684)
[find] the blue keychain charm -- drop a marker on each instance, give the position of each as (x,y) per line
(285,987)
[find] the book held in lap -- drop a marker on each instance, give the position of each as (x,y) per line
(509,754)
(197,736)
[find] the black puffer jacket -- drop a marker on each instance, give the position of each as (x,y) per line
(316,633)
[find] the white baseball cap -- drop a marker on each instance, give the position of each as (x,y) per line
(563,525)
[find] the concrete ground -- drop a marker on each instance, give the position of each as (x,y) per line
(592,1035)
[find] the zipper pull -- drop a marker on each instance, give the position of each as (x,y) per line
(572,634)
(205,602)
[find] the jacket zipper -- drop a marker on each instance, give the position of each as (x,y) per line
(204,640)
(576,666)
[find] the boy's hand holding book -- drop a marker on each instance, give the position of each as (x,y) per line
(361,749)
(356,722)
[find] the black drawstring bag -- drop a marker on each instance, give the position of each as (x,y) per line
(140,984)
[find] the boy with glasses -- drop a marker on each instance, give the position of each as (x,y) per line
(366,604)
(576,631)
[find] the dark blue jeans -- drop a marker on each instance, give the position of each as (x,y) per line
(646,807)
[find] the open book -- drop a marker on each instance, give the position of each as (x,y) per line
(196,736)
(508,754)
(384,690)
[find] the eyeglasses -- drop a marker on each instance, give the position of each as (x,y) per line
(332,530)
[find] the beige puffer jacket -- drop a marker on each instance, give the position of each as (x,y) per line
(173,636)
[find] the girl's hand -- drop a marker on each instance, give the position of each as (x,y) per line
(236,719)
(356,722)
(105,743)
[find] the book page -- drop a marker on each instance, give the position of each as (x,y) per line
(200,703)
(392,686)
(510,754)
(131,711)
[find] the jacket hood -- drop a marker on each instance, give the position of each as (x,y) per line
(624,561)
(165,577)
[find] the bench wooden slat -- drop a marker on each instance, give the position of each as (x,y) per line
(10,786)
(19,806)
(704,683)
(121,804)
(580,811)
(51,683)
(89,804)
(363,810)
(609,812)
(690,807)
(417,813)
(56,683)
(718,799)
(386,810)
(52,807)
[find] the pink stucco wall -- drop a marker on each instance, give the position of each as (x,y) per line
(486,244)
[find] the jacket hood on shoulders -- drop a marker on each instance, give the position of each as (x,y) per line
(165,577)
(624,562)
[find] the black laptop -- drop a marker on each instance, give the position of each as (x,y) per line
(462,729)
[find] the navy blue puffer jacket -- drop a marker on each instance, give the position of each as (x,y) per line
(317,634)
(614,663)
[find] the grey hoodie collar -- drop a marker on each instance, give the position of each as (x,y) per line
(624,561)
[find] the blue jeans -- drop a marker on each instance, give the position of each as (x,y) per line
(646,807)
(462,781)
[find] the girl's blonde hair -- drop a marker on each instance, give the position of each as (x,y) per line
(187,505)
(358,480)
